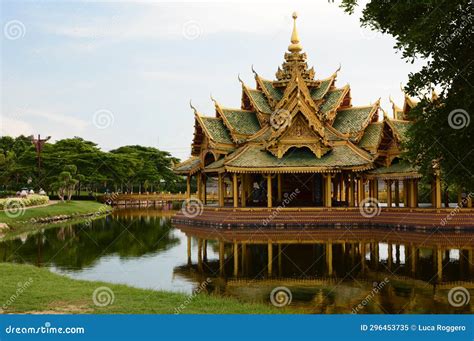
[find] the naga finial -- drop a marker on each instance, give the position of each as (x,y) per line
(213,99)
(240,79)
(192,107)
(254,72)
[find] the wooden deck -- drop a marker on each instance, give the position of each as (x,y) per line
(303,218)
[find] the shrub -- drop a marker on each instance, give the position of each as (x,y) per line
(30,200)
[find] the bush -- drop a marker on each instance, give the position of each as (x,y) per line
(30,200)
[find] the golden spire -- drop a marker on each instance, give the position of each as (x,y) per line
(295,45)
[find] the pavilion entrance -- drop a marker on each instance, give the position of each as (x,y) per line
(301,190)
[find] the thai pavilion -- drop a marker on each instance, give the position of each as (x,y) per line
(299,139)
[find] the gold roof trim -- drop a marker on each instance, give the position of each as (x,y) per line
(234,169)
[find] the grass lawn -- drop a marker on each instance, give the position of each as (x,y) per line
(61,208)
(75,209)
(45,292)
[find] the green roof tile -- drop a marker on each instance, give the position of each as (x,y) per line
(187,165)
(399,167)
(339,156)
(264,137)
(351,120)
(320,91)
(260,101)
(371,136)
(216,164)
(331,136)
(331,99)
(274,92)
(217,129)
(402,128)
(244,122)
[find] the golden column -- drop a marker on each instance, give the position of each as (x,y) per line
(280,196)
(439,262)
(329,257)
(244,258)
(204,189)
(327,190)
(189,250)
(351,190)
(437,190)
(269,191)
(200,255)
(389,192)
(236,259)
(376,189)
(360,190)
(188,187)
(243,191)
(437,183)
(270,258)
(199,187)
(397,193)
(390,256)
(405,193)
(221,189)
(279,261)
(221,257)
(204,250)
(413,189)
(342,196)
(235,190)
(362,251)
(414,256)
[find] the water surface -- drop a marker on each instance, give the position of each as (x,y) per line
(368,271)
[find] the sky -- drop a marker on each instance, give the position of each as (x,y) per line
(123,72)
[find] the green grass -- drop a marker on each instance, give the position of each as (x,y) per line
(75,209)
(51,293)
(61,208)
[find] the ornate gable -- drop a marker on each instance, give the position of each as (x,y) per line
(299,134)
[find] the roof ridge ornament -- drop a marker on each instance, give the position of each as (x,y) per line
(295,46)
(254,72)
(240,79)
(214,100)
(294,59)
(193,107)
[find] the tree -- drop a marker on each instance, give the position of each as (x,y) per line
(66,182)
(93,169)
(441,33)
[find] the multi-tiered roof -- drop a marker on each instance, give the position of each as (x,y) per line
(294,124)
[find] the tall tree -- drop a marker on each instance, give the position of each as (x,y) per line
(441,33)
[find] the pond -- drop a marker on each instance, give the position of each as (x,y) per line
(321,271)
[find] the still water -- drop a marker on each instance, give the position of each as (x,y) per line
(325,270)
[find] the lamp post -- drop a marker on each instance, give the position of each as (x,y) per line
(39,144)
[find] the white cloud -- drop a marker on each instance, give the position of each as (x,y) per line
(15,127)
(57,118)
(170,21)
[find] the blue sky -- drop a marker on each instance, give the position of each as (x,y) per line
(123,73)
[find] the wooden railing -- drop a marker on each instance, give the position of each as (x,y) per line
(115,198)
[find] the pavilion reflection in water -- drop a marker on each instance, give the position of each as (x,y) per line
(432,262)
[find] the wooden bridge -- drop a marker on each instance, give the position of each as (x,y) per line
(162,199)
